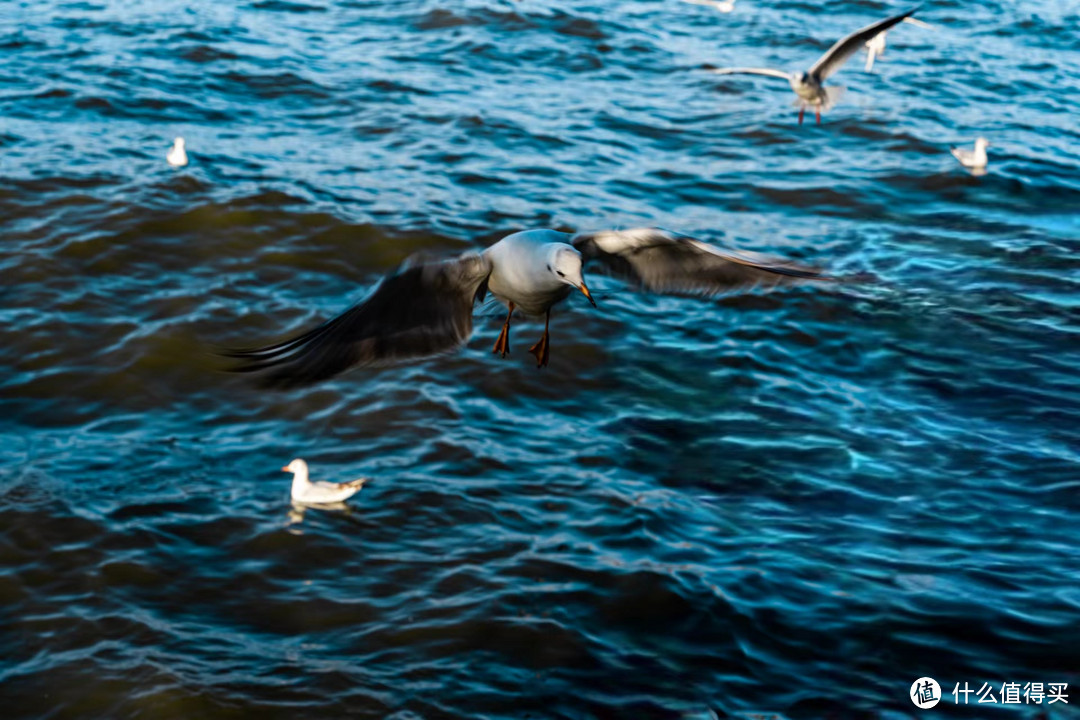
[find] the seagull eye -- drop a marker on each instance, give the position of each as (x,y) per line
(561,273)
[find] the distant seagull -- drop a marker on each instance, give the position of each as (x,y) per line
(319,493)
(426,308)
(724,6)
(809,85)
(973,159)
(875,46)
(177,157)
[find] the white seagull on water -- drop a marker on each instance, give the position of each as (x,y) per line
(306,492)
(974,159)
(809,85)
(426,307)
(177,157)
(724,6)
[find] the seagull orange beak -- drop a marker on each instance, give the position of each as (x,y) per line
(285,469)
(585,290)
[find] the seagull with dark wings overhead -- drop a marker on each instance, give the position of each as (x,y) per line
(426,307)
(810,85)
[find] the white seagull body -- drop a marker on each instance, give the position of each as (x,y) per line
(810,85)
(426,307)
(522,265)
(177,157)
(724,6)
(975,159)
(306,492)
(875,46)
(533,270)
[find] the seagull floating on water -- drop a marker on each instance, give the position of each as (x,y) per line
(319,493)
(875,46)
(974,159)
(177,157)
(724,6)
(809,85)
(426,308)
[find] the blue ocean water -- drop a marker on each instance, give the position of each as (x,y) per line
(792,503)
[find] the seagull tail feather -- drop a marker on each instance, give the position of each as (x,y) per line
(832,93)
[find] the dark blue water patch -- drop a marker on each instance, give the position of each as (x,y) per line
(287,87)
(203,54)
(288,7)
(501,20)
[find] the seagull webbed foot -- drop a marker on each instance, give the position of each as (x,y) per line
(502,343)
(540,350)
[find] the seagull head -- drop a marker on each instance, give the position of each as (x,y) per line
(296,467)
(179,143)
(982,142)
(564,263)
(801,81)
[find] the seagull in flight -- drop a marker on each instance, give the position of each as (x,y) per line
(809,85)
(425,308)
(875,46)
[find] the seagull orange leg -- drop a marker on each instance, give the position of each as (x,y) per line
(817,114)
(540,349)
(502,343)
(802,109)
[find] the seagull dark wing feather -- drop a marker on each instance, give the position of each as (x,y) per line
(663,262)
(425,309)
(844,48)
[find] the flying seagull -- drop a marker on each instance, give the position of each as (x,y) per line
(809,85)
(875,46)
(426,307)
(319,493)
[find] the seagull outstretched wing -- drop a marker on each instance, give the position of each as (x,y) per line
(847,46)
(425,309)
(660,261)
(751,71)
